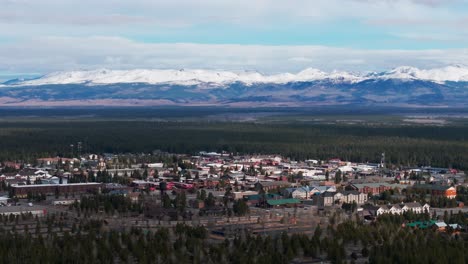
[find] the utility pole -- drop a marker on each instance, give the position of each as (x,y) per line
(382,160)
(79,147)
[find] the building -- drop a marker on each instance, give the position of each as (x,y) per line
(240,195)
(55,161)
(267,186)
(330,198)
(22,210)
(399,209)
(290,202)
(259,199)
(22,191)
(416,208)
(300,193)
(438,190)
(376,188)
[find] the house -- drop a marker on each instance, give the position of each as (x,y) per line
(454,226)
(440,226)
(382,210)
(395,209)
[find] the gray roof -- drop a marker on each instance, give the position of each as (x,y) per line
(275,183)
(432,187)
(413,205)
(350,192)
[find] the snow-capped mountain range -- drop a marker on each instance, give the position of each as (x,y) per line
(195,77)
(402,86)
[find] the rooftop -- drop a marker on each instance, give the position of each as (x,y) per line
(283,201)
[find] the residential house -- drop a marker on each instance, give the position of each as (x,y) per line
(440,226)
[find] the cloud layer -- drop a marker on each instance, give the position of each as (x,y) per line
(67,53)
(265,35)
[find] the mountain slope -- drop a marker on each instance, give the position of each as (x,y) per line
(402,86)
(191,77)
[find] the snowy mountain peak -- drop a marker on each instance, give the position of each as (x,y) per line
(455,73)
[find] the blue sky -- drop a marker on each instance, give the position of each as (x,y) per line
(38,37)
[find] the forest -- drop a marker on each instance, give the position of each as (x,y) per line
(415,145)
(385,241)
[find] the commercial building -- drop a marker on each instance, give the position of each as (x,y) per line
(21,191)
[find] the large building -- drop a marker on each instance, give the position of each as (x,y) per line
(23,210)
(399,209)
(376,188)
(51,189)
(438,190)
(272,185)
(329,198)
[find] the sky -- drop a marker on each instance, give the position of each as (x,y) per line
(269,36)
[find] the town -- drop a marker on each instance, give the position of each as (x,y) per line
(227,185)
(226,193)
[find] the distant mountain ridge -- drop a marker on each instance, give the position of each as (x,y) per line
(454,73)
(402,86)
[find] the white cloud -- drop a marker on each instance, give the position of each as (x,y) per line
(251,12)
(64,53)
(90,33)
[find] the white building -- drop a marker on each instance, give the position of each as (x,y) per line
(416,208)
